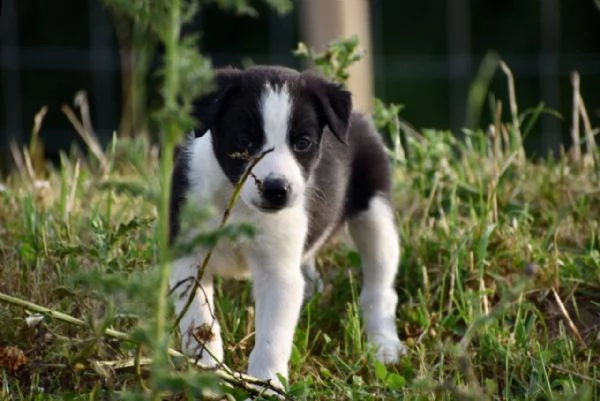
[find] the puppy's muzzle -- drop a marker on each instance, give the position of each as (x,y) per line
(275,192)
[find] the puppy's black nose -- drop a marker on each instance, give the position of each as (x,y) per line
(275,190)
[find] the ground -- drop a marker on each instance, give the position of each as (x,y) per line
(499,281)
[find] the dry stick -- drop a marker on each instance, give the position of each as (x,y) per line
(512,99)
(87,138)
(37,126)
(232,200)
(29,165)
(81,102)
(575,128)
(126,363)
(483,290)
(71,198)
(565,314)
(451,286)
(17,157)
(589,132)
(236,379)
(576,374)
(586,122)
(37,123)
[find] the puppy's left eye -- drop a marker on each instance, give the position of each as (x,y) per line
(302,144)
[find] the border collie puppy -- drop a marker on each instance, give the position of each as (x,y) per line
(327,167)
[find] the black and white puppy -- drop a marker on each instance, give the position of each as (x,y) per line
(327,168)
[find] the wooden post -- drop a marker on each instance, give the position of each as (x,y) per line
(322,21)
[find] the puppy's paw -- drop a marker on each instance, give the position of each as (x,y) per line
(313,283)
(388,348)
(208,353)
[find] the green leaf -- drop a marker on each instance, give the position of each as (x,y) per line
(299,389)
(381,371)
(395,382)
(337,58)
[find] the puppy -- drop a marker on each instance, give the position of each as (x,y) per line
(326,167)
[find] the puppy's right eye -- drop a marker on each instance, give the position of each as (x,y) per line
(242,141)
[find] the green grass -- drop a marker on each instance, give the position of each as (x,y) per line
(499,281)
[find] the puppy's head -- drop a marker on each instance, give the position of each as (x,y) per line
(278,110)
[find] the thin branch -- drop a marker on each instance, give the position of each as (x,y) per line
(567,317)
(576,374)
(90,141)
(18,159)
(590,140)
(126,363)
(235,379)
(81,102)
(71,199)
(232,201)
(514,112)
(29,165)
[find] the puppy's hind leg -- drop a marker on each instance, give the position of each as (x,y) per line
(199,329)
(312,279)
(374,234)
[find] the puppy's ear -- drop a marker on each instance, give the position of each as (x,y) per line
(334,105)
(208,106)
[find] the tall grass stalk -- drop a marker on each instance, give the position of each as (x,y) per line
(170,137)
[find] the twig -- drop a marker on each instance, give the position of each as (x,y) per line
(483,290)
(235,379)
(58,315)
(576,374)
(590,140)
(451,286)
(90,141)
(126,363)
(81,102)
(514,112)
(18,159)
(71,199)
(29,165)
(567,317)
(232,200)
(37,126)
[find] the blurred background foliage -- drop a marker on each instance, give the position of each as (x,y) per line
(425,54)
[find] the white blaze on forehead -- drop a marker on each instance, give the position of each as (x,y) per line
(276,110)
(275,107)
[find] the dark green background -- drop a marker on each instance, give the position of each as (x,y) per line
(67,45)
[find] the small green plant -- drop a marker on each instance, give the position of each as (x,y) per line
(334,63)
(335,60)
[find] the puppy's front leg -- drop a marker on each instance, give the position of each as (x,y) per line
(200,331)
(278,287)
